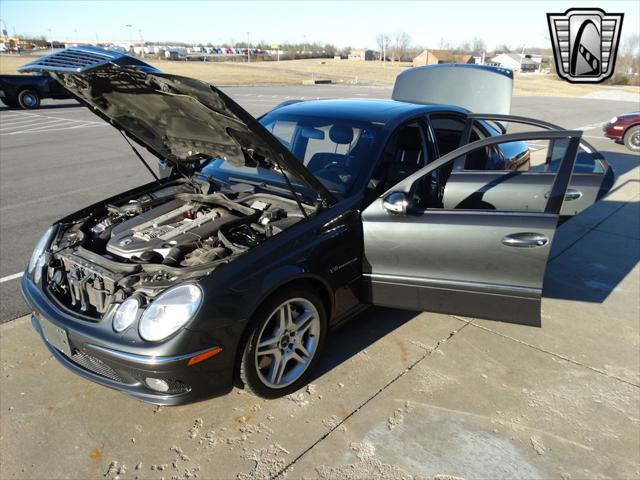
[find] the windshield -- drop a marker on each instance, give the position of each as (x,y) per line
(336,152)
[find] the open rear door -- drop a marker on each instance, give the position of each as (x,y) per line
(591,178)
(487,261)
(478,88)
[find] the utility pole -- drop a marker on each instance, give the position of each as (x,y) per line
(248,49)
(130,39)
(50,39)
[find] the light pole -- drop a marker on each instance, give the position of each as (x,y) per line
(50,39)
(130,36)
(248,49)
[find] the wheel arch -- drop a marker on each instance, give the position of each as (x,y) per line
(629,127)
(317,284)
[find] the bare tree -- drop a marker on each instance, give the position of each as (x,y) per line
(401,42)
(383,41)
(478,45)
(444,45)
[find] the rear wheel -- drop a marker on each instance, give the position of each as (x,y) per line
(28,99)
(632,138)
(283,343)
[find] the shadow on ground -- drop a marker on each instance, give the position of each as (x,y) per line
(69,104)
(357,334)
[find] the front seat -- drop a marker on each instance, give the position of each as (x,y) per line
(340,135)
(408,157)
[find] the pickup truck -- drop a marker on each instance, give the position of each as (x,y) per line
(26,91)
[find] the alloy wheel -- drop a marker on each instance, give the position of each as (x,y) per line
(287,343)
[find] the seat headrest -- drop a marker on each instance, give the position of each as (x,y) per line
(409,139)
(341,134)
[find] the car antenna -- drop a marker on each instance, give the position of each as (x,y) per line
(144,162)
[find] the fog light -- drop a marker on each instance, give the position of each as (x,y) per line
(156,384)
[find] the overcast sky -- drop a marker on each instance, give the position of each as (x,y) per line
(339,22)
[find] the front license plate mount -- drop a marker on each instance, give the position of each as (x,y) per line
(57,337)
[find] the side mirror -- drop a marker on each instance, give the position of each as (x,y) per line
(396,202)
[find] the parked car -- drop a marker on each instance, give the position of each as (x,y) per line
(626,129)
(270,231)
(26,91)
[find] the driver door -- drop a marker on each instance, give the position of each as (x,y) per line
(479,262)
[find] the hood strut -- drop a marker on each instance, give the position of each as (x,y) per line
(296,197)
(144,162)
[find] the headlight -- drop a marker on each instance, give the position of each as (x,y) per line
(125,314)
(169,312)
(613,120)
(39,250)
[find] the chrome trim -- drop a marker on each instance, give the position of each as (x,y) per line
(474,287)
(503,213)
(146,359)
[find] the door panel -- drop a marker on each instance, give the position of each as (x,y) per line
(519,191)
(460,256)
(591,178)
(484,263)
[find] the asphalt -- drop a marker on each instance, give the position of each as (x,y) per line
(397,394)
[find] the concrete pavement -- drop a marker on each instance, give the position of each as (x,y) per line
(398,394)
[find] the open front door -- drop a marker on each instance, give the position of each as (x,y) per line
(486,262)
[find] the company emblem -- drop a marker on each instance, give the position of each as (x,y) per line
(585,43)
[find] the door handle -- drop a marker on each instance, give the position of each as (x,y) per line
(525,240)
(570,194)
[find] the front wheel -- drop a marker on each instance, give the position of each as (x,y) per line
(632,139)
(28,100)
(283,343)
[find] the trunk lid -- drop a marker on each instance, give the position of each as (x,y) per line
(477,88)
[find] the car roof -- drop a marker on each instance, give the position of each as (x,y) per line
(361,109)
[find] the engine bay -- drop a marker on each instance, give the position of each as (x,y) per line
(143,245)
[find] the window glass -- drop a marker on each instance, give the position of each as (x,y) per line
(337,152)
(404,154)
(510,190)
(448,131)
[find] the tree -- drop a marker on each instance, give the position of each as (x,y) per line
(504,48)
(401,42)
(478,45)
(383,41)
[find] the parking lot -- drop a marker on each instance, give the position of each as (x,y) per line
(397,395)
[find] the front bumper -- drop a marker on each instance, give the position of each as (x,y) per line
(90,358)
(610,131)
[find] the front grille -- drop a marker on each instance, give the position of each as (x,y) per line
(96,366)
(71,60)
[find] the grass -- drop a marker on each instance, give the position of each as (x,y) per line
(294,72)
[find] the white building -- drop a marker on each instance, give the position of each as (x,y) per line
(516,62)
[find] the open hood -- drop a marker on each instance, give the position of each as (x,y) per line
(178,119)
(478,88)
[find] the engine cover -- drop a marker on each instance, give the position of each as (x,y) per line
(165,227)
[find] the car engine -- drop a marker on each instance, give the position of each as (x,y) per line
(147,243)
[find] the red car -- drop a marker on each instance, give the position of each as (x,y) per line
(626,129)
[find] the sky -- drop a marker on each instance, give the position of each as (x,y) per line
(342,23)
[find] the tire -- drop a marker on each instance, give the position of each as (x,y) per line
(284,343)
(28,99)
(632,138)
